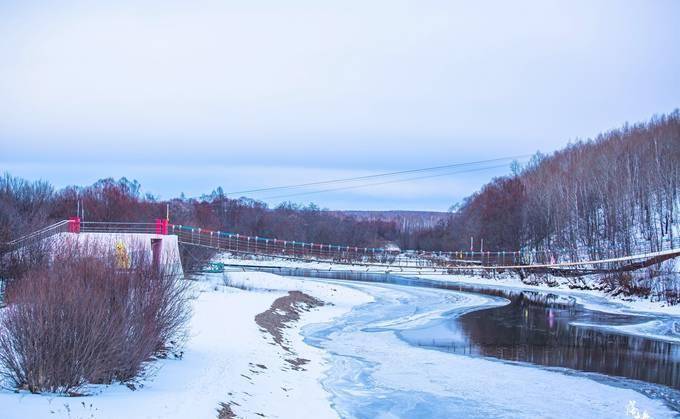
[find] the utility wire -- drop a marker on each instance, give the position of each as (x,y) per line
(352,179)
(384,183)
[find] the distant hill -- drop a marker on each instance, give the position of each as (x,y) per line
(406,221)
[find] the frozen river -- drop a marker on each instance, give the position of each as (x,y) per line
(422,352)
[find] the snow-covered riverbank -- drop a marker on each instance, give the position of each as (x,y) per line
(223,362)
(629,303)
(588,297)
(356,364)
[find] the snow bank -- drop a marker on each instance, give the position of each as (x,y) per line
(219,362)
(592,299)
(630,304)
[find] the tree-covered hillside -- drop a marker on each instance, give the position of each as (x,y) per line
(617,193)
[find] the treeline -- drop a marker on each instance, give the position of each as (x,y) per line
(614,194)
(26,206)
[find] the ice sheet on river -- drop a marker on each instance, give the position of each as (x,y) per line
(373,373)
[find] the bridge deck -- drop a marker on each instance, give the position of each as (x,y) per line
(370,258)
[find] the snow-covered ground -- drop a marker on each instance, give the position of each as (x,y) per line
(219,364)
(358,367)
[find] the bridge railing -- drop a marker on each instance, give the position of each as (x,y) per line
(36,236)
(254,245)
(243,244)
(75,225)
(118,227)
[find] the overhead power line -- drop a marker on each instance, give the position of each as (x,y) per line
(379,175)
(385,183)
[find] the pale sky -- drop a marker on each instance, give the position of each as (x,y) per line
(188,96)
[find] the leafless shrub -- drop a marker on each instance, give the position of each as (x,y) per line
(194,258)
(627,284)
(14,263)
(84,319)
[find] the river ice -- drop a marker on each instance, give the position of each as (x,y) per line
(375,374)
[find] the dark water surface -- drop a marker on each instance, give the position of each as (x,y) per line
(539,328)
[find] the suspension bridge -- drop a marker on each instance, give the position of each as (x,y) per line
(374,259)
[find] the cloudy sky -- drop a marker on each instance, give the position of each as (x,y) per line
(188,96)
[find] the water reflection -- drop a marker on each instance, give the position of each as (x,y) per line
(535,327)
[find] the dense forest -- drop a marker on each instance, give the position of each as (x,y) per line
(614,194)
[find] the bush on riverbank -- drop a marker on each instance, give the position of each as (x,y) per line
(83,319)
(658,283)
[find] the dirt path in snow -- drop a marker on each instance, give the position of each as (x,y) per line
(285,310)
